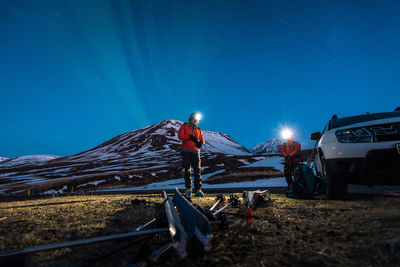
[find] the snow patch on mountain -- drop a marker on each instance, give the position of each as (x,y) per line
(275,162)
(28,159)
(222,143)
(3,159)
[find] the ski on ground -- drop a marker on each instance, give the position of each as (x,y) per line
(176,230)
(195,223)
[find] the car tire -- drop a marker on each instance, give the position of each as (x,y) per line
(336,187)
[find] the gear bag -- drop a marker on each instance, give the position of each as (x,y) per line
(306,184)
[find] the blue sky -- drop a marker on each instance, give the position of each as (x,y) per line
(74,74)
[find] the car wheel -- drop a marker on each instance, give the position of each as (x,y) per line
(336,187)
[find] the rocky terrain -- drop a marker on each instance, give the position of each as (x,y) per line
(362,231)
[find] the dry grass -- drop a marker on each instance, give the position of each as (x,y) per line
(292,232)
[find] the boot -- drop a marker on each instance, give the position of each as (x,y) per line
(188,192)
(199,193)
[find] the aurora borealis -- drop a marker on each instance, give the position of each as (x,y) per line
(74,74)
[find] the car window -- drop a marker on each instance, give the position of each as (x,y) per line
(361,118)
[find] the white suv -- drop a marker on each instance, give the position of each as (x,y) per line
(363,149)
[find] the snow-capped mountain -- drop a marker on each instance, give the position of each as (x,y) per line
(137,158)
(272,146)
(26,160)
(148,153)
(156,141)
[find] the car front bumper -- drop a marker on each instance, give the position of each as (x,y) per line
(380,166)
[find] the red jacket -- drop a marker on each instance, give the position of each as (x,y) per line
(290,150)
(183,134)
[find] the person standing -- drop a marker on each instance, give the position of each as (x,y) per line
(192,141)
(290,150)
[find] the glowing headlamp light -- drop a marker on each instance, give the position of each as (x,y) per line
(286,134)
(197,116)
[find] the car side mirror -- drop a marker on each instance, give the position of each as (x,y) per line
(316,136)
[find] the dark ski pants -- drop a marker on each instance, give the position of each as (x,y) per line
(288,168)
(288,171)
(192,161)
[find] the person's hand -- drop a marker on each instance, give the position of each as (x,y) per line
(194,138)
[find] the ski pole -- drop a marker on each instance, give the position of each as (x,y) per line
(141,227)
(81,242)
(213,206)
(233,201)
(222,209)
(220,199)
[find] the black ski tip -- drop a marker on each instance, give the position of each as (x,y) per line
(234,199)
(221,198)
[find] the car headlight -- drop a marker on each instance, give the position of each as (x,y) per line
(356,135)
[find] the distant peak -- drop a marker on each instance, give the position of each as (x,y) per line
(169,122)
(267,147)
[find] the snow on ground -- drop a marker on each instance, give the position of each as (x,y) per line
(61,170)
(275,162)
(26,179)
(243,161)
(52,191)
(168,183)
(267,182)
(6,175)
(29,159)
(179,183)
(157,166)
(171,184)
(106,168)
(2,159)
(92,183)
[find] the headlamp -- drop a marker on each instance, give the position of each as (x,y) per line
(286,134)
(197,116)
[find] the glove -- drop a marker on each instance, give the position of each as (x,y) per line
(199,144)
(194,138)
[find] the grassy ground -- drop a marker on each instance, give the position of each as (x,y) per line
(291,232)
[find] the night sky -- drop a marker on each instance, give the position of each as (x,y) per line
(74,74)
